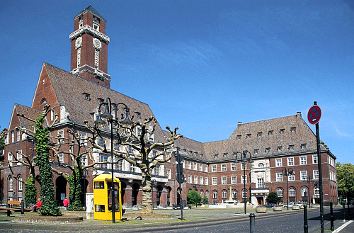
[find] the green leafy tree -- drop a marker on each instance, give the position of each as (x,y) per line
(273,198)
(50,206)
(194,198)
(345,181)
(75,190)
(2,142)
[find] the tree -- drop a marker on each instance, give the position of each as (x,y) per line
(3,134)
(345,181)
(50,206)
(273,198)
(205,200)
(194,197)
(133,141)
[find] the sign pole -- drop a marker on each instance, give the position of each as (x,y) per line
(314,116)
(320,172)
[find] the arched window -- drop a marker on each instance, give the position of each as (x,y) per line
(215,194)
(280,192)
(224,194)
(261,165)
(292,192)
(11,183)
(304,192)
(20,183)
(234,195)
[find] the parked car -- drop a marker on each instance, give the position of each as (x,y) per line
(290,205)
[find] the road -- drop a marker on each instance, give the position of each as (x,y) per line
(280,223)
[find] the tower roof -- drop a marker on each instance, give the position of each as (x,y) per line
(92,10)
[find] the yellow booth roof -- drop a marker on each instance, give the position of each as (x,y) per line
(105,177)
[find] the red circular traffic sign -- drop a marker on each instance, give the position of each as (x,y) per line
(314,114)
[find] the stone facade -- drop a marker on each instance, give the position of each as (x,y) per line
(210,168)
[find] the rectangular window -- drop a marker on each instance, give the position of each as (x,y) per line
(314,159)
(291,178)
(10,158)
(278,162)
(201,180)
(60,136)
(233,166)
(291,161)
(260,182)
(190,179)
(18,135)
(189,164)
(223,167)
(12,136)
(195,166)
(205,168)
(279,177)
(19,157)
(224,180)
(233,180)
(303,160)
(316,175)
(213,168)
(206,181)
(303,175)
(98,185)
(243,179)
(61,157)
(201,167)
(195,179)
(243,166)
(214,180)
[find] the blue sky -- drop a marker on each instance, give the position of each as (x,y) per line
(200,65)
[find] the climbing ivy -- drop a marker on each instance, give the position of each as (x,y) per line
(75,190)
(49,206)
(30,192)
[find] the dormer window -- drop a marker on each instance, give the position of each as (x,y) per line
(248,135)
(293,129)
(225,155)
(280,148)
(216,156)
(270,132)
(291,147)
(259,134)
(238,137)
(267,150)
(303,146)
(87,96)
(256,151)
(100,100)
(281,131)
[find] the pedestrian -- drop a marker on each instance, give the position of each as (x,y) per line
(66,202)
(37,206)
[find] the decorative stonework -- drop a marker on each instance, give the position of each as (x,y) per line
(90,30)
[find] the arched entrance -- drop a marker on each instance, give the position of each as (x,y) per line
(158,195)
(60,187)
(135,193)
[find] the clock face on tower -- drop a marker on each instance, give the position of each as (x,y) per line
(97,43)
(78,42)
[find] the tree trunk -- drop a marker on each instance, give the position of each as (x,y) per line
(147,193)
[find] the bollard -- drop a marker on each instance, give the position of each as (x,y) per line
(22,207)
(332,216)
(252,222)
(344,212)
(306,226)
(8,210)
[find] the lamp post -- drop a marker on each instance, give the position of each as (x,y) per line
(244,157)
(110,113)
(287,172)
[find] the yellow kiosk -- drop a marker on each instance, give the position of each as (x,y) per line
(102,198)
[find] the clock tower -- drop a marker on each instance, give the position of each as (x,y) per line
(89,45)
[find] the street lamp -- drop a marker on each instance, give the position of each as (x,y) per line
(110,113)
(244,157)
(287,172)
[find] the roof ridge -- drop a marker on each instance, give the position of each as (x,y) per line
(270,119)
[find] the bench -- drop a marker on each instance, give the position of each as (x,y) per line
(12,206)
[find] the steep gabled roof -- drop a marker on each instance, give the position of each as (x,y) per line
(92,10)
(29,113)
(72,91)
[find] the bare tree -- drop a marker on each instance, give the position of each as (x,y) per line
(133,140)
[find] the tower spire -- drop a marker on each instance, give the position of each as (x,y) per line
(89,47)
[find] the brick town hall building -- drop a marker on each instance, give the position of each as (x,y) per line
(210,168)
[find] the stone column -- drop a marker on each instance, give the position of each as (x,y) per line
(128,196)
